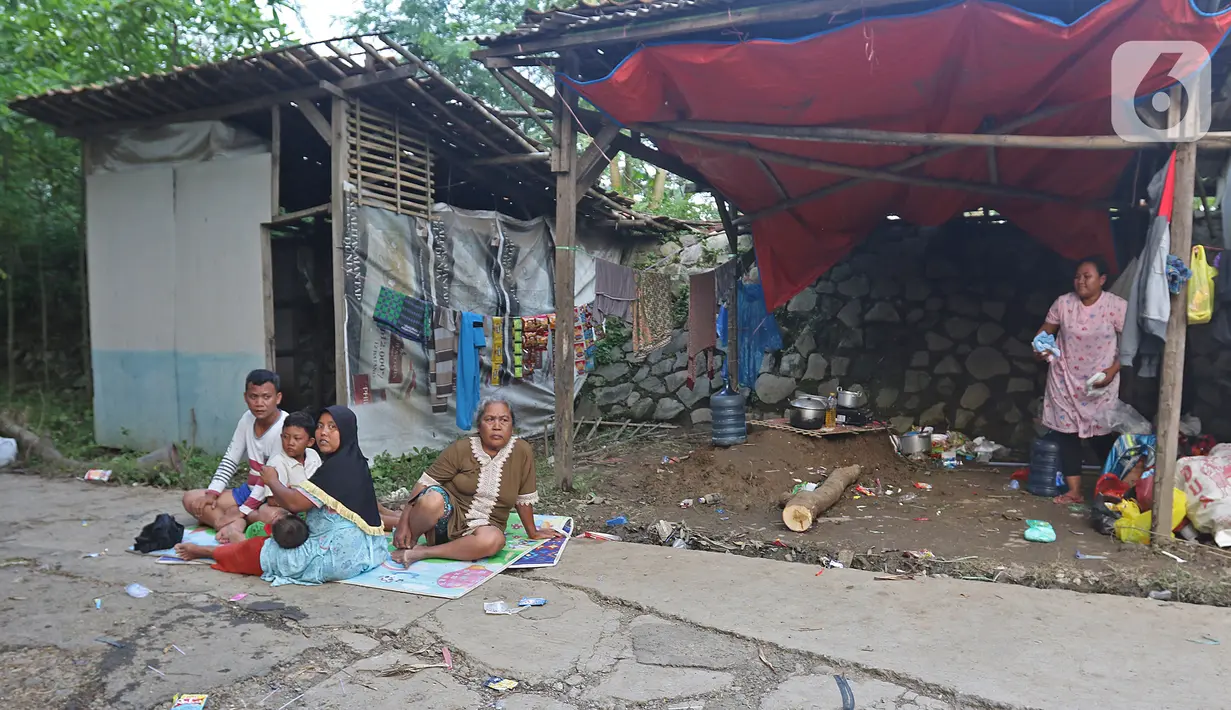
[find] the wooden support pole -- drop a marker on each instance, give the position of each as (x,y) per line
(267,258)
(1171,380)
(724,213)
(339,158)
(310,112)
(564,164)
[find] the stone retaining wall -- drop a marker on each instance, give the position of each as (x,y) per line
(935,325)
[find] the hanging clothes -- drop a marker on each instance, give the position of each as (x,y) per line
(702,333)
(470,339)
(402,314)
(758,332)
(497,349)
(725,278)
(652,311)
(444,358)
(615,290)
(1149,301)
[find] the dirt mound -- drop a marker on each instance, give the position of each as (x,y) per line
(772,462)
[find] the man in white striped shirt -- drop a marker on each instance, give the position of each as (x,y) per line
(258,437)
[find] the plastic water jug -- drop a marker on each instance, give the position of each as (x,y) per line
(1044,468)
(730,426)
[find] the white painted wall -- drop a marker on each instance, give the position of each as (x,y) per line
(176,311)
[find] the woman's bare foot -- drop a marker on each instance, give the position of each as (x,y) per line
(410,556)
(1068,499)
(189,551)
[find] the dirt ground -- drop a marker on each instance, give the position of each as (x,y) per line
(969,524)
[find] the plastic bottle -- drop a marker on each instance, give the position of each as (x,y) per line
(1045,469)
(729,425)
(831,412)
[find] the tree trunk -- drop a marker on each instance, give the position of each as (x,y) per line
(11,355)
(803,508)
(42,299)
(660,186)
(82,277)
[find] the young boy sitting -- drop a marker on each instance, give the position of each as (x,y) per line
(295,463)
(257,438)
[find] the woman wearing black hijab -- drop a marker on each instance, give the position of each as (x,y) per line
(346,537)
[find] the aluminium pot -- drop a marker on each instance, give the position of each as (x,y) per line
(914,443)
(850,399)
(805,417)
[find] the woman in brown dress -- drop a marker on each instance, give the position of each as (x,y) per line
(462,503)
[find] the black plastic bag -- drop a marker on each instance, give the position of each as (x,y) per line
(1103,520)
(162,534)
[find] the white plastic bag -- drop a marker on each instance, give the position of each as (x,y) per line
(1121,417)
(8,451)
(1207,480)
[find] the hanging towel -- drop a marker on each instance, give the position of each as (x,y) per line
(651,312)
(615,290)
(758,332)
(725,277)
(444,342)
(702,333)
(470,339)
(402,314)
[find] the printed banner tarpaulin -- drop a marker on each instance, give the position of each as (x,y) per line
(481,262)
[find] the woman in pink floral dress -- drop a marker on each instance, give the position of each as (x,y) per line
(1087,323)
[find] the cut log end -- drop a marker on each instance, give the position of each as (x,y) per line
(797,517)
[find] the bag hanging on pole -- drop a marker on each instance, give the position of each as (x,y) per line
(1201,288)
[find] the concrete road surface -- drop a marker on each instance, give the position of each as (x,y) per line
(626,626)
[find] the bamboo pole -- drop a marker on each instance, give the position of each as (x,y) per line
(1171,380)
(907,164)
(868,136)
(754,153)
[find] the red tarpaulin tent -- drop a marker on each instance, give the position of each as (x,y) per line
(947,70)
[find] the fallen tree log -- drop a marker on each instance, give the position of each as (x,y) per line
(803,507)
(29,443)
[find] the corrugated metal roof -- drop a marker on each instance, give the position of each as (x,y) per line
(461,127)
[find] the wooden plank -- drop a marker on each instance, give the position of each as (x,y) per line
(379,171)
(338,154)
(530,112)
(634,33)
(513,159)
(597,156)
(781,425)
(868,136)
(732,352)
(275,152)
(564,163)
(742,149)
(267,293)
(310,112)
(391,192)
(1171,379)
(299,214)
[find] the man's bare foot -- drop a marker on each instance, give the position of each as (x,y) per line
(189,551)
(412,555)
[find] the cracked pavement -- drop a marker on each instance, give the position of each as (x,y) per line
(626,626)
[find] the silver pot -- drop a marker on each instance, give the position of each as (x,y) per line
(850,399)
(806,417)
(914,443)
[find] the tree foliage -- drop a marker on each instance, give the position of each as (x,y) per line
(54,44)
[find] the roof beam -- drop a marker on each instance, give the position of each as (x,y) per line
(634,32)
(755,153)
(317,119)
(867,136)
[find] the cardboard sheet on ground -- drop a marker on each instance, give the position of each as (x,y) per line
(449,579)
(193,534)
